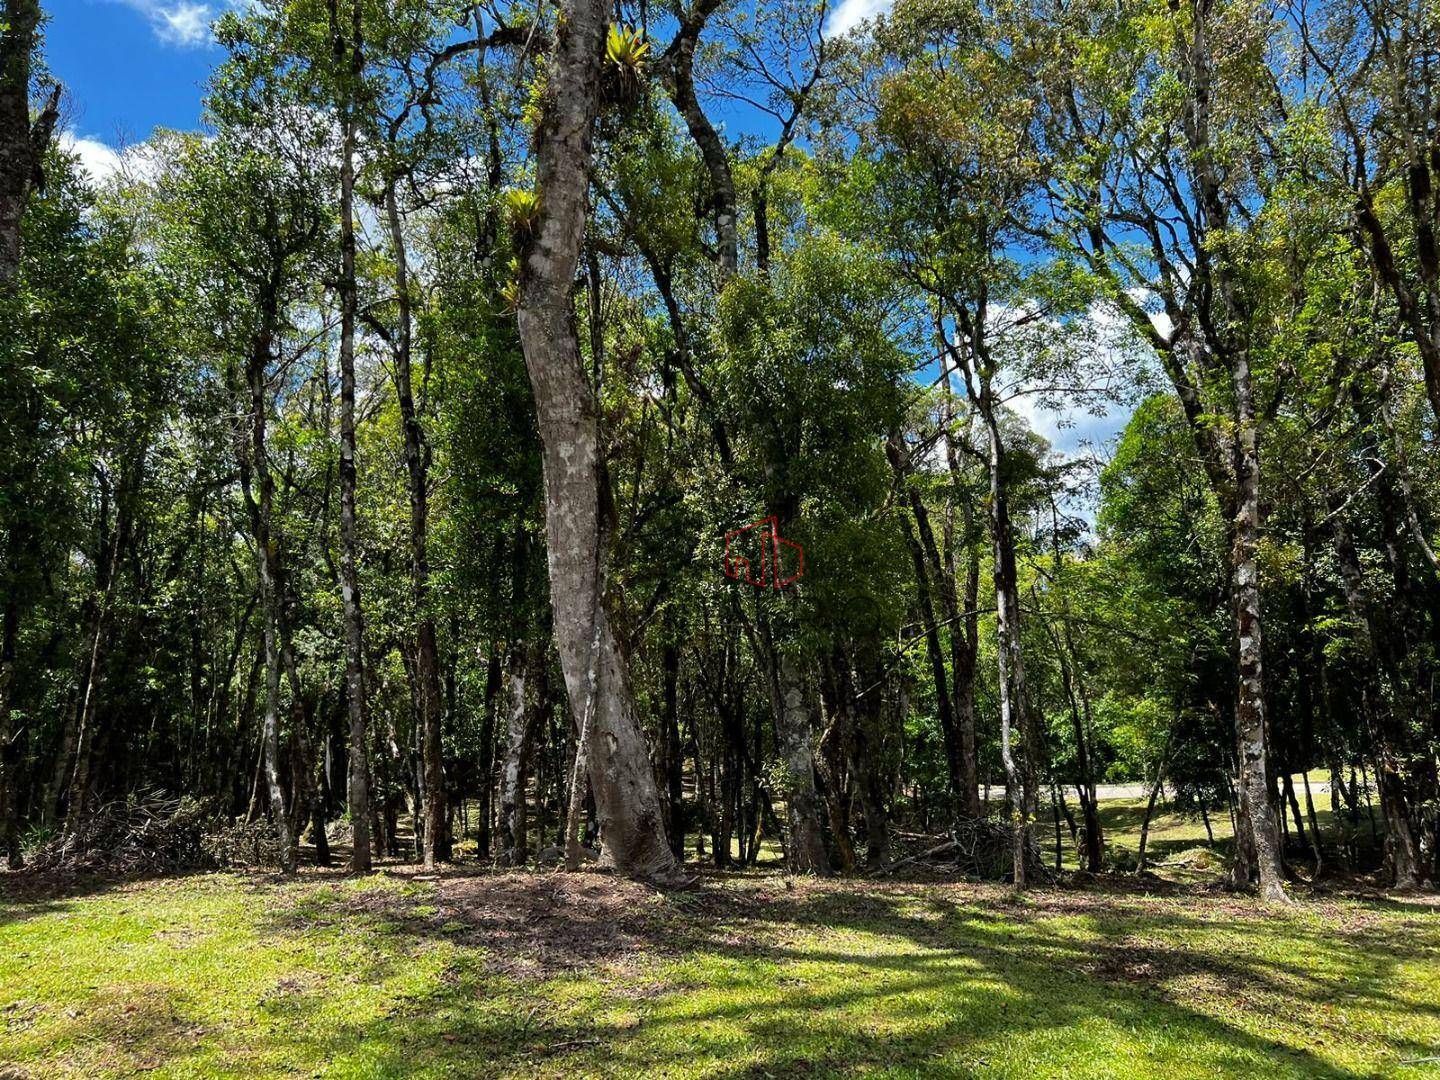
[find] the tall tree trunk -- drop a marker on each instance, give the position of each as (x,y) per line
(417,468)
(1228,330)
(520,731)
(113,548)
(831,759)
(1250,733)
(954,767)
(862,747)
(358,794)
(1072,680)
(805,846)
(674,756)
(925,570)
(254,467)
(9,739)
(22,142)
(270,601)
(965,631)
(1150,813)
(1085,777)
(1022,746)
(493,679)
(596,676)
(1021,774)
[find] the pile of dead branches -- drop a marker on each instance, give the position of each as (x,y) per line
(242,844)
(979,849)
(984,850)
(146,833)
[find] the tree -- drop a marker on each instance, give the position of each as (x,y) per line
(611,747)
(1138,138)
(23,138)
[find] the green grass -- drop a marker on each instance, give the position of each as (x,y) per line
(482,974)
(1181,841)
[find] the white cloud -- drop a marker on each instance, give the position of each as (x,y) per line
(851,13)
(1069,430)
(182,23)
(100,160)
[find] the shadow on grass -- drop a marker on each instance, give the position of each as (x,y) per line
(26,894)
(758,976)
(971,970)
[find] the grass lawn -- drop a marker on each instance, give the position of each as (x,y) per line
(754,975)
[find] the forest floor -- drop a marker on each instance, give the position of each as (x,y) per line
(482,973)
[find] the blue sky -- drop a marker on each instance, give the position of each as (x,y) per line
(130,66)
(133,65)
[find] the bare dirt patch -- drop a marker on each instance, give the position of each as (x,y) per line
(546,924)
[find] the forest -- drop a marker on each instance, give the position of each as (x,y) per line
(581,494)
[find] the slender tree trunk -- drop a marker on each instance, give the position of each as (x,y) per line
(487,753)
(358,795)
(1308,837)
(674,756)
(428,695)
(596,677)
(9,739)
(1145,824)
(1072,680)
(965,630)
(964,648)
(862,745)
(1084,779)
(945,713)
(254,466)
(1016,723)
(520,730)
(108,572)
(919,538)
(830,760)
(805,846)
(1255,803)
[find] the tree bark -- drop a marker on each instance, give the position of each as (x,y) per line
(1020,769)
(831,760)
(1250,705)
(926,560)
(358,794)
(22,142)
(976,365)
(596,677)
(428,695)
(520,731)
(805,847)
(9,739)
(112,550)
(860,719)
(679,79)
(943,708)
(267,554)
(674,755)
(1229,331)
(493,679)
(965,631)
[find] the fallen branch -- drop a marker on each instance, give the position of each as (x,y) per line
(939,849)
